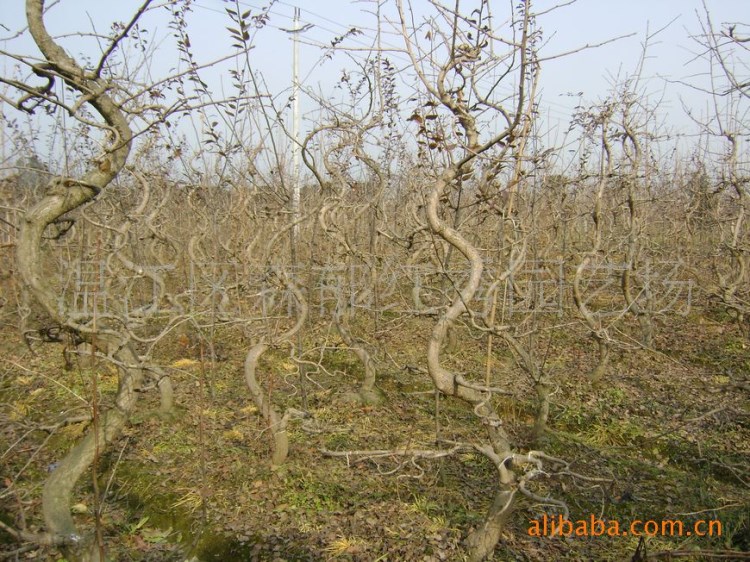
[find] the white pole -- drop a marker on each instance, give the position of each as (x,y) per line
(296,149)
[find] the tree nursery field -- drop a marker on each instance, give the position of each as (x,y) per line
(396,314)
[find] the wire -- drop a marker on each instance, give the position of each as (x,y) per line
(559,110)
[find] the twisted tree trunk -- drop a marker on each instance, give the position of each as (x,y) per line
(481,542)
(277,424)
(63,195)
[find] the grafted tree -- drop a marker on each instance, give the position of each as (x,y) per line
(112,110)
(453,73)
(63,195)
(598,121)
(726,52)
(341,214)
(455,222)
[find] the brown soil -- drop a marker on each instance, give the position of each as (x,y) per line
(670,429)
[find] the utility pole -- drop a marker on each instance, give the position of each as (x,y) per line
(296,148)
(296,187)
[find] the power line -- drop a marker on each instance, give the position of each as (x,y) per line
(559,110)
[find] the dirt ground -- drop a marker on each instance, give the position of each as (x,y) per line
(667,434)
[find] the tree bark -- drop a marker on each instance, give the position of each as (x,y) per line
(63,195)
(276,424)
(367,393)
(481,542)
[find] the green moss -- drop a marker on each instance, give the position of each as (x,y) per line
(303,491)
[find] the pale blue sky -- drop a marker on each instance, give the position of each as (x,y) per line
(671,56)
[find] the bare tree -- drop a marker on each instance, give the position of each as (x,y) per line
(726,53)
(63,195)
(454,84)
(113,110)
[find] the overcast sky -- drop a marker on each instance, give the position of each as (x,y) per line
(671,56)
